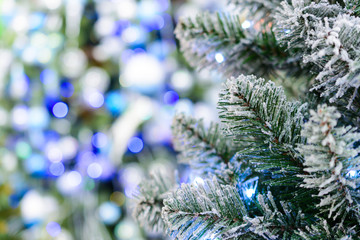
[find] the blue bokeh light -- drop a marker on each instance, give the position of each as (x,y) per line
(135,145)
(171,97)
(163,4)
(35,164)
(109,213)
(121,25)
(38,117)
(60,109)
(115,103)
(66,89)
(156,22)
(37,20)
(99,140)
(57,169)
(53,229)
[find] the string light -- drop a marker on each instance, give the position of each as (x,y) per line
(351,174)
(219,57)
(249,192)
(199,181)
(246,24)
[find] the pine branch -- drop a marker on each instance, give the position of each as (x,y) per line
(150,199)
(204,149)
(323,230)
(328,35)
(218,42)
(329,154)
(251,106)
(294,22)
(202,211)
(276,223)
(257,112)
(353,6)
(262,9)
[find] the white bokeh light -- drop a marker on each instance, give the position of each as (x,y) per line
(53,152)
(105,26)
(73,62)
(69,182)
(69,147)
(143,71)
(246,24)
(219,58)
(52,4)
(94,98)
(36,207)
(126,9)
(96,78)
(249,192)
(94,170)
(181,81)
(19,117)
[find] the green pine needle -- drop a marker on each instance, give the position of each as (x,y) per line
(204,149)
(203,211)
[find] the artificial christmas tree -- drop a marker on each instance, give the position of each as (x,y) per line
(284,162)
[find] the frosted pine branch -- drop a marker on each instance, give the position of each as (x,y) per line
(218,42)
(323,230)
(295,20)
(257,112)
(262,9)
(202,211)
(150,201)
(336,50)
(255,107)
(329,155)
(353,6)
(328,34)
(204,149)
(276,223)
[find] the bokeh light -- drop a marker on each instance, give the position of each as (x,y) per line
(94,170)
(60,109)
(99,140)
(53,229)
(109,213)
(135,145)
(57,168)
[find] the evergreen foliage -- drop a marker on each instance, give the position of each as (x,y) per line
(329,154)
(257,112)
(150,201)
(329,35)
(261,8)
(273,169)
(204,149)
(206,210)
(251,106)
(276,222)
(218,42)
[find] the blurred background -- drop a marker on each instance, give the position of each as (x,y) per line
(88,89)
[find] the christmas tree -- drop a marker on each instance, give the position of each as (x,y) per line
(284,161)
